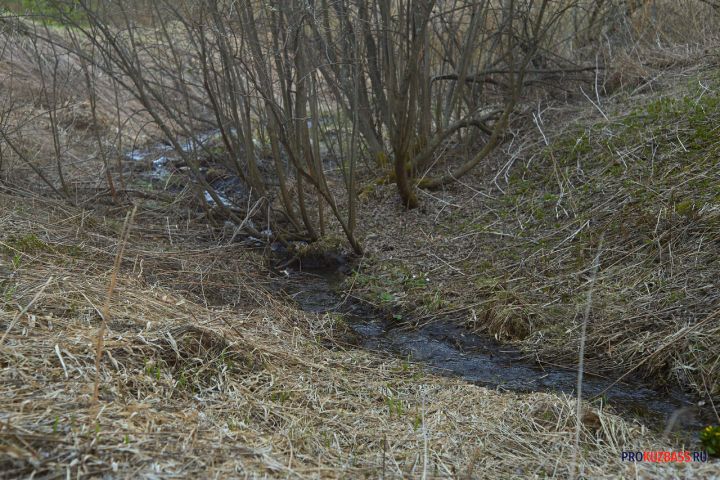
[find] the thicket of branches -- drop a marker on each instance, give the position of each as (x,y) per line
(362,88)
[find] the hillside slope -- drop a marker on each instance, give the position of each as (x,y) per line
(204,374)
(510,250)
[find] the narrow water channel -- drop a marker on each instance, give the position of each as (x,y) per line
(442,346)
(448,349)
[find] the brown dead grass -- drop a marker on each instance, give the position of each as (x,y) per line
(189,390)
(38,77)
(205,374)
(508,251)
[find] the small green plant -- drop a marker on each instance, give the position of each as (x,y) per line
(10,293)
(417,423)
(152,369)
(710,440)
(16,260)
(326,439)
(226,360)
(182,382)
(394,405)
(415,281)
(406,364)
(434,302)
(386,297)
(280,396)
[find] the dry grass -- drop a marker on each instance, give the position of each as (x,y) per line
(509,251)
(206,374)
(40,79)
(189,390)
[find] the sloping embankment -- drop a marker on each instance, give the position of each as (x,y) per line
(192,390)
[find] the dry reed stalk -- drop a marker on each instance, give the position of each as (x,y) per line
(25,309)
(581,359)
(106,307)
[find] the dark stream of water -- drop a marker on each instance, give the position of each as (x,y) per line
(448,349)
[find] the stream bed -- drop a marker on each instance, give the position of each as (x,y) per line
(447,349)
(442,346)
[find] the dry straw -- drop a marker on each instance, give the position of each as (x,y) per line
(247,386)
(106,307)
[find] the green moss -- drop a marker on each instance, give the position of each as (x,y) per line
(486,283)
(321,247)
(616,170)
(684,208)
(29,244)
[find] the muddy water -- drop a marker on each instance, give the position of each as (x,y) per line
(451,350)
